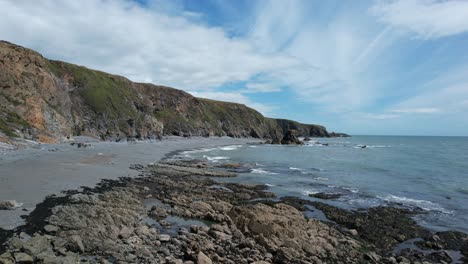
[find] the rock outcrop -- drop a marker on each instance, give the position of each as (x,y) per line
(48,101)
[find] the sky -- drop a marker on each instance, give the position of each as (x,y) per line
(369,67)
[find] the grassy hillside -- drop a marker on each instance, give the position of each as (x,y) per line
(45,99)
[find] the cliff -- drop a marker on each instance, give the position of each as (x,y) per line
(47,100)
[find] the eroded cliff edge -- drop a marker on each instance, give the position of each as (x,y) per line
(47,101)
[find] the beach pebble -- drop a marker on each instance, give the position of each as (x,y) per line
(353,232)
(50,228)
(164,238)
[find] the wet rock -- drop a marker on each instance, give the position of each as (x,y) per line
(158,212)
(325,196)
(164,223)
(290,138)
(383,227)
(9,204)
(136,167)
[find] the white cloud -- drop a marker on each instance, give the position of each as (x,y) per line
(381,116)
(426,18)
(417,110)
(235,98)
(446,93)
(143,44)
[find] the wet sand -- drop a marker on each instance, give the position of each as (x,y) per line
(29,175)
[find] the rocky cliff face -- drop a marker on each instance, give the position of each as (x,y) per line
(48,101)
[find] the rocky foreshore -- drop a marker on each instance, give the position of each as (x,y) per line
(176,212)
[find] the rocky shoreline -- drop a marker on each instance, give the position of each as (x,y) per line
(176,212)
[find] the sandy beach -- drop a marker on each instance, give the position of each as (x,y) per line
(29,175)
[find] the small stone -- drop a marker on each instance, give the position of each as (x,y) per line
(353,232)
(50,228)
(164,223)
(158,212)
(203,259)
(165,251)
(23,258)
(125,232)
(164,238)
(76,243)
(146,189)
(372,256)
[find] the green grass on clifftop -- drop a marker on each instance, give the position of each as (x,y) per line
(106,94)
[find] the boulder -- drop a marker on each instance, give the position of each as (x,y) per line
(325,196)
(23,258)
(203,259)
(290,138)
(7,258)
(9,204)
(36,245)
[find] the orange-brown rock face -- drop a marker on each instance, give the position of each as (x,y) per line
(50,100)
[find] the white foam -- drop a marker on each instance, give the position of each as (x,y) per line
(350,189)
(188,152)
(379,146)
(294,168)
(215,159)
(233,147)
(269,185)
(321,178)
(423,204)
(260,171)
(307,192)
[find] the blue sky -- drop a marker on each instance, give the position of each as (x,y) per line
(391,67)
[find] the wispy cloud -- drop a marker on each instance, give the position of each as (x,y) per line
(416,110)
(261,88)
(381,116)
(425,18)
(141,43)
(322,60)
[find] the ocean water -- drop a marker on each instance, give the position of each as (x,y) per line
(426,172)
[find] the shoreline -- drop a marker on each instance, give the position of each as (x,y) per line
(160,208)
(30,174)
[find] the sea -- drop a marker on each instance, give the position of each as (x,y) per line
(430,173)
